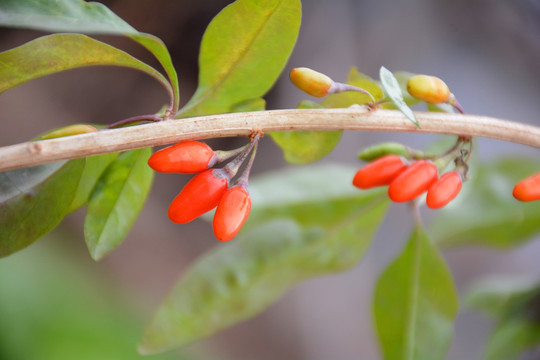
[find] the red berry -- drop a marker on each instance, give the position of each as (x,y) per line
(379,172)
(231,213)
(200,195)
(187,157)
(528,189)
(412,182)
(444,190)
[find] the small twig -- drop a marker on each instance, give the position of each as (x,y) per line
(243,124)
(134,119)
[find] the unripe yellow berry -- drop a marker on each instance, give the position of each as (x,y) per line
(310,81)
(430,89)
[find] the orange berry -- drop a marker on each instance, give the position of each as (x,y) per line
(310,81)
(528,189)
(430,89)
(187,157)
(231,213)
(379,172)
(412,182)
(200,195)
(444,190)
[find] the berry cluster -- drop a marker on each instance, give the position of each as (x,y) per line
(406,181)
(211,187)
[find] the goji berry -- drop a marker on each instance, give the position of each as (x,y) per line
(187,157)
(200,195)
(310,81)
(444,190)
(231,213)
(379,172)
(430,89)
(412,182)
(528,189)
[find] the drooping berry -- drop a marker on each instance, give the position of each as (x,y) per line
(412,182)
(379,172)
(430,89)
(187,157)
(528,189)
(231,213)
(200,195)
(444,190)
(310,81)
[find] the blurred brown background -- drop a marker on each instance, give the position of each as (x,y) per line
(488,52)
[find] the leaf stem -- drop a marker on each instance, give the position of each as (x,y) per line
(134,119)
(243,124)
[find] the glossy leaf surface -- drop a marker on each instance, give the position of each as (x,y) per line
(34,200)
(243,51)
(116,201)
(415,303)
(62,15)
(84,17)
(304,147)
(490,216)
(93,168)
(287,239)
(393,90)
(54,53)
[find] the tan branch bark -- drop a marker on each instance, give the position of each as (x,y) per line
(242,124)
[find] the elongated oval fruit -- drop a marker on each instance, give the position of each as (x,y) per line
(200,195)
(444,190)
(430,89)
(186,157)
(528,189)
(379,172)
(310,81)
(412,182)
(232,212)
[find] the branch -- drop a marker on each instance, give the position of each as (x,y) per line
(242,124)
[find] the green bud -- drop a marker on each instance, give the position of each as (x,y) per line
(386,148)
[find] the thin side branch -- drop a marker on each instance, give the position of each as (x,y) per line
(243,124)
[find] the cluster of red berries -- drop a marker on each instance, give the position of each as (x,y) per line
(408,181)
(210,188)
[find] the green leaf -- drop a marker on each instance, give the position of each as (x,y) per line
(62,15)
(34,200)
(303,230)
(510,339)
(160,51)
(228,285)
(322,196)
(116,201)
(84,17)
(415,303)
(304,147)
(243,51)
(54,53)
(393,90)
(257,104)
(93,168)
(489,215)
